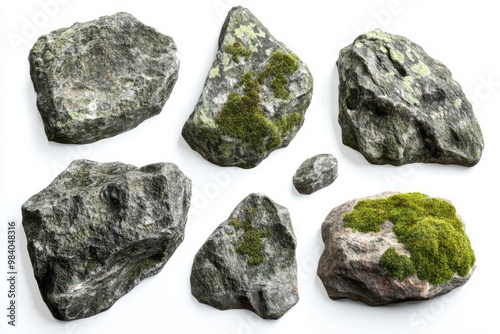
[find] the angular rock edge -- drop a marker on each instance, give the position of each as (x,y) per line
(100,78)
(254,99)
(248,262)
(349,266)
(398,105)
(98,230)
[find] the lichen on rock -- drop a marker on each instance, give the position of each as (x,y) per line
(254,99)
(316,173)
(248,262)
(99,229)
(252,243)
(100,78)
(398,105)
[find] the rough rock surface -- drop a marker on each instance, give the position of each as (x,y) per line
(249,262)
(398,105)
(99,229)
(315,173)
(350,266)
(254,98)
(100,78)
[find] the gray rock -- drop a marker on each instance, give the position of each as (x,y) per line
(254,99)
(412,256)
(97,79)
(316,173)
(249,262)
(398,105)
(99,229)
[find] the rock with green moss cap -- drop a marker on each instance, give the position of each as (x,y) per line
(97,79)
(249,262)
(254,99)
(99,229)
(397,105)
(394,247)
(316,173)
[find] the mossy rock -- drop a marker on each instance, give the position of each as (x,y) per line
(248,262)
(394,247)
(254,99)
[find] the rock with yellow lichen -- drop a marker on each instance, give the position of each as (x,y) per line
(394,247)
(398,105)
(100,78)
(254,99)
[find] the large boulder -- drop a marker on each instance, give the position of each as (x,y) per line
(392,247)
(99,229)
(398,105)
(254,99)
(249,262)
(100,78)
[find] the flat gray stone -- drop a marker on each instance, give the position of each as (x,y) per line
(411,247)
(254,99)
(249,262)
(97,79)
(98,230)
(398,105)
(316,173)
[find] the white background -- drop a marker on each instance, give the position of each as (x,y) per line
(462,34)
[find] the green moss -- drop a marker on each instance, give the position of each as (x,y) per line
(287,123)
(242,116)
(252,244)
(398,265)
(280,64)
(428,228)
(237,50)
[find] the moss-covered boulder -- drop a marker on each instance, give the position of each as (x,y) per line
(100,78)
(249,262)
(398,105)
(254,99)
(394,247)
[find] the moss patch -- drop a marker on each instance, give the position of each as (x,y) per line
(237,50)
(399,265)
(287,123)
(428,228)
(242,116)
(252,244)
(280,64)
